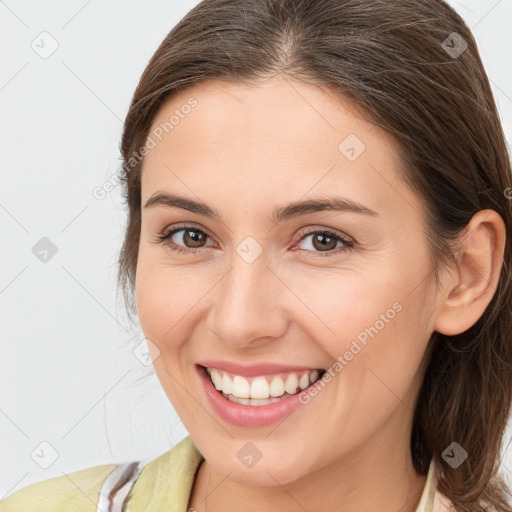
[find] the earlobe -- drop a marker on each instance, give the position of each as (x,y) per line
(476,276)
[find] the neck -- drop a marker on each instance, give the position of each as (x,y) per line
(376,477)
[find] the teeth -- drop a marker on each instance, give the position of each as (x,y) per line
(241,387)
(277,387)
(291,383)
(304,381)
(252,401)
(260,390)
(227,384)
(216,379)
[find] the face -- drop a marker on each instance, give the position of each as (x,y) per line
(264,294)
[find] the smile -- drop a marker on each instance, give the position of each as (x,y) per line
(257,398)
(263,389)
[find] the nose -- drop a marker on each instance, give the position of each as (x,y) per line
(249,306)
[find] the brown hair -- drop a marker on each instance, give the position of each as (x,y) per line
(402,65)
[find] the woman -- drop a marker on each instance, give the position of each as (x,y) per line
(319,251)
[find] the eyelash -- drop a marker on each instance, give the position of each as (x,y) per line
(164,238)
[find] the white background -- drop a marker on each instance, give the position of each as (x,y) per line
(68,374)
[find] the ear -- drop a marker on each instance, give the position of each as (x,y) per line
(474,281)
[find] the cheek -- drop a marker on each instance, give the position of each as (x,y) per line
(376,336)
(172,300)
(381,303)
(164,297)
(164,293)
(376,332)
(337,307)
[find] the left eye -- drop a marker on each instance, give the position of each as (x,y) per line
(323,241)
(326,241)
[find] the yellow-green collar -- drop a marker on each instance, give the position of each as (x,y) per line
(166,482)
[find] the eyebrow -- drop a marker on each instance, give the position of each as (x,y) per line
(279,214)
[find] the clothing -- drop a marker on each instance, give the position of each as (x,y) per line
(161,485)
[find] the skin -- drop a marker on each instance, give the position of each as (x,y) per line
(243,151)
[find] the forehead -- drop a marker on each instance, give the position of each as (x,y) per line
(280,138)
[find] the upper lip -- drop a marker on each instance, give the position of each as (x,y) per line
(253,370)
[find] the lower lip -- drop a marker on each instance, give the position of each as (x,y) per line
(247,415)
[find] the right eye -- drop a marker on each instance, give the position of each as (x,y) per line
(192,238)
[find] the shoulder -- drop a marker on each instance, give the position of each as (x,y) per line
(78,491)
(441,503)
(143,485)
